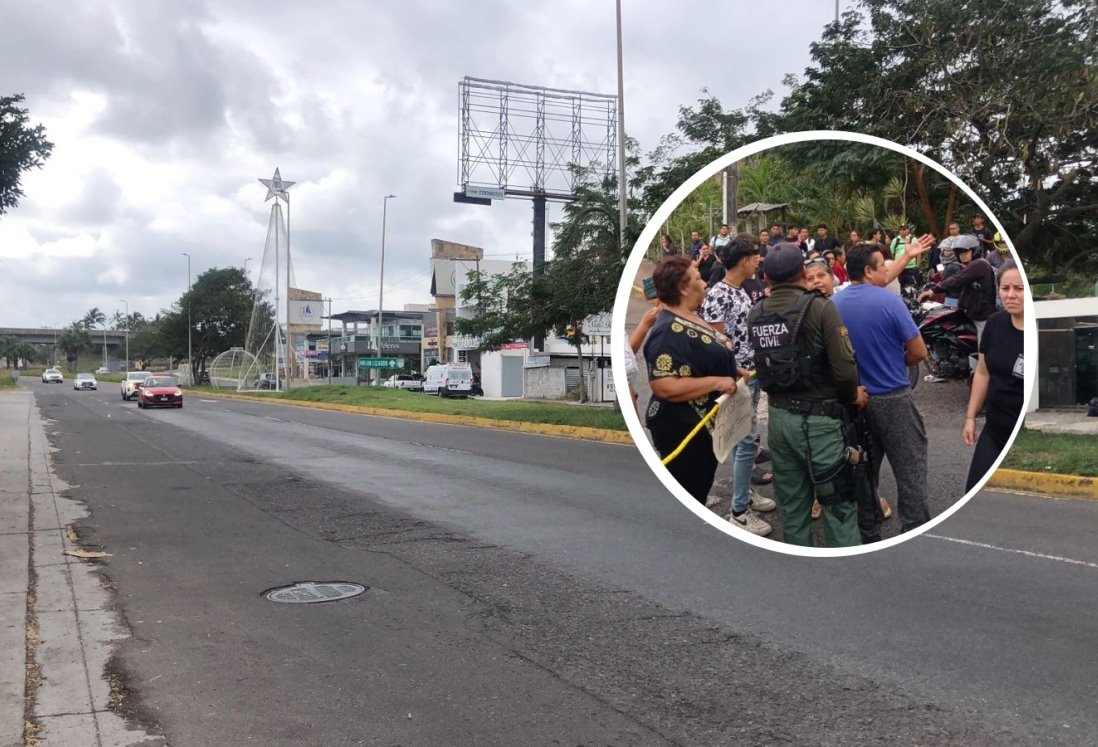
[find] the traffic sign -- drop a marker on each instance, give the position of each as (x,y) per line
(491,193)
(367,362)
(462,197)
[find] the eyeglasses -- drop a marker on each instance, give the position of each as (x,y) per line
(815,261)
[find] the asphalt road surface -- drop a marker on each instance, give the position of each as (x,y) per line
(536,590)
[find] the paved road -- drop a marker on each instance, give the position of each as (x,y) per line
(525,589)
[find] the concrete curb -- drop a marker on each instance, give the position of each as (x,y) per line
(1045,482)
(541,429)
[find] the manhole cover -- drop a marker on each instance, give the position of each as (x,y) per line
(311,592)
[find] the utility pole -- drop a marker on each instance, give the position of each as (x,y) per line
(381,284)
(127,366)
(330,358)
(623,206)
(733,195)
(190,354)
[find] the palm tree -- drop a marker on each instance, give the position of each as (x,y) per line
(73,340)
(93,318)
(8,350)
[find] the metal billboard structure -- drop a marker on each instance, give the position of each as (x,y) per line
(529,142)
(526,139)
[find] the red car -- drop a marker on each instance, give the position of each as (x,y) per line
(159,391)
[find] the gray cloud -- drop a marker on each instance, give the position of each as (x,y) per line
(217,94)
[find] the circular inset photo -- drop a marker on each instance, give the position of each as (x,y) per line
(820,343)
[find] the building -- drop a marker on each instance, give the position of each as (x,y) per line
(516,370)
(355,349)
(1067,353)
(306,311)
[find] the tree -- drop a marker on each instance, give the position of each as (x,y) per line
(22,147)
(94,318)
(221,301)
(579,281)
(73,341)
(1005,95)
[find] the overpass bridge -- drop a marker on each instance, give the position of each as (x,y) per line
(47,336)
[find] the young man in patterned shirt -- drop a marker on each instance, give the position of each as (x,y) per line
(725,309)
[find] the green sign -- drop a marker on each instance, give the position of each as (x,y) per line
(367,362)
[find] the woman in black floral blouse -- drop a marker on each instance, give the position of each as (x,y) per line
(689,366)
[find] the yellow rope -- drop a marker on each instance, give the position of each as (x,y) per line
(708,416)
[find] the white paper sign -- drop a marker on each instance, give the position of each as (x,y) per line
(732,422)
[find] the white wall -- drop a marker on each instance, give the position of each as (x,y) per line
(1064,307)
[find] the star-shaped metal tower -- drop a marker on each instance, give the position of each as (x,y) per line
(276,187)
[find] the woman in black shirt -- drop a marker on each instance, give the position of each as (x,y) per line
(999,377)
(689,365)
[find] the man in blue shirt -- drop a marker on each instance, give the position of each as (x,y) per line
(886,341)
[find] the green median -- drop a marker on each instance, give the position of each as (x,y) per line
(525,411)
(1056,453)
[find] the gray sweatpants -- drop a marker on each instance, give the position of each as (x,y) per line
(897,432)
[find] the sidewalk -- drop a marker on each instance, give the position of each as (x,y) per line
(1052,421)
(60,695)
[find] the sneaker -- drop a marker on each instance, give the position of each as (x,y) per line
(759,502)
(750,521)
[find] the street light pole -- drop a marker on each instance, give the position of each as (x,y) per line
(190,356)
(622,191)
(127,366)
(330,358)
(381,288)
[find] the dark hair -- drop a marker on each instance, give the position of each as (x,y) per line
(669,241)
(859,257)
(873,232)
(732,253)
(724,225)
(884,249)
(823,226)
(1010,264)
(820,262)
(668,277)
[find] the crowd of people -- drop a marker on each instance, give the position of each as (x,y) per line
(823,329)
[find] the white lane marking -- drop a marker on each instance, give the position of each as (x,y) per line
(131,464)
(1030,553)
(212,401)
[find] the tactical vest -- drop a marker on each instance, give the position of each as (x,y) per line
(782,362)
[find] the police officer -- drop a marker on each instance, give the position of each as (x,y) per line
(805,364)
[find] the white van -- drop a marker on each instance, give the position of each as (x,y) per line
(449,380)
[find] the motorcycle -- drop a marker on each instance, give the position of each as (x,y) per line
(950,338)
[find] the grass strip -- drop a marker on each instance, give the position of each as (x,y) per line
(549,413)
(1058,453)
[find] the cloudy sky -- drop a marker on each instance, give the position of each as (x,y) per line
(165,114)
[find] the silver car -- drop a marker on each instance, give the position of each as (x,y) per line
(53,376)
(84,381)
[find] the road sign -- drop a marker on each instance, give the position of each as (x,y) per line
(491,193)
(367,362)
(462,197)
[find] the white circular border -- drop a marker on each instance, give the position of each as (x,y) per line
(618,340)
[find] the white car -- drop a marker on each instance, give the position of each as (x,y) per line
(53,376)
(404,381)
(84,381)
(102,371)
(132,383)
